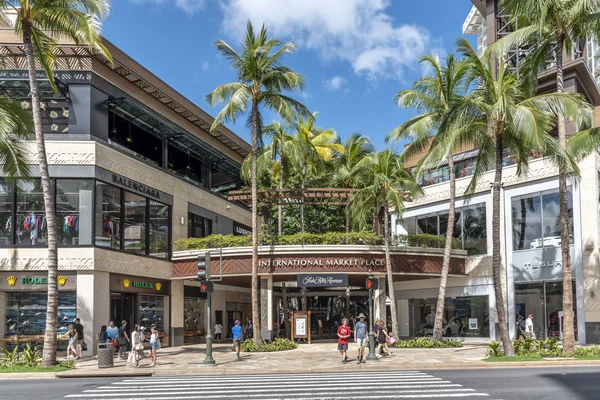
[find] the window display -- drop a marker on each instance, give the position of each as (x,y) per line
(6,218)
(134,223)
(159,229)
(30,224)
(74,211)
(108,216)
(193,319)
(152,311)
(26,313)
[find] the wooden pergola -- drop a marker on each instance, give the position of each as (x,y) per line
(294,197)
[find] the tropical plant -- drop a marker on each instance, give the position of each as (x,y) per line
(507,115)
(317,146)
(262,80)
(15,125)
(434,94)
(389,185)
(356,148)
(41,24)
(552,27)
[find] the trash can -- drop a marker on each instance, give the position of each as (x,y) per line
(105,355)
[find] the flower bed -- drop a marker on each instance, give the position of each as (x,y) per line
(425,343)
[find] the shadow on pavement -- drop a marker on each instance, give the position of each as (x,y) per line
(583,385)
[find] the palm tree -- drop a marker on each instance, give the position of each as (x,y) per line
(356,148)
(262,81)
(389,184)
(15,125)
(554,26)
(40,24)
(506,115)
(435,94)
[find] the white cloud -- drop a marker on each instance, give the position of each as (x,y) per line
(359,32)
(205,66)
(335,83)
(189,6)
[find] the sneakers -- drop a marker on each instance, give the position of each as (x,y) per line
(358,360)
(362,360)
(345,359)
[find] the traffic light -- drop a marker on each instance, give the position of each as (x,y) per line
(207,287)
(372,283)
(204,266)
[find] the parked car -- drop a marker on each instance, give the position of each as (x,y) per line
(454,327)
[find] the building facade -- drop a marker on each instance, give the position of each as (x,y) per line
(531,255)
(134,168)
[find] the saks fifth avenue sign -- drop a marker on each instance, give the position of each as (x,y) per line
(321,263)
(322,280)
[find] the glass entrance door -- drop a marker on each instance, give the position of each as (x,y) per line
(122,308)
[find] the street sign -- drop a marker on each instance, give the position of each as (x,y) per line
(207,287)
(372,283)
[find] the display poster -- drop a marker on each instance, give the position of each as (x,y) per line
(300,326)
(473,325)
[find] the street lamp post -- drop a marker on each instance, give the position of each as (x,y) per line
(209,358)
(371,356)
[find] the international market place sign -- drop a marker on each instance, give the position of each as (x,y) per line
(328,280)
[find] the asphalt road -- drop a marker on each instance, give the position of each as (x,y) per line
(568,383)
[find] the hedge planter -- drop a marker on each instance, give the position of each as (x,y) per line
(279,344)
(425,343)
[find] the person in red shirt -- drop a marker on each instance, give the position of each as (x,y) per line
(343,336)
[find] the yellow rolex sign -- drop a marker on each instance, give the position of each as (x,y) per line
(28,282)
(127,284)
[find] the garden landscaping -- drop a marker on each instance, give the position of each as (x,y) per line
(543,350)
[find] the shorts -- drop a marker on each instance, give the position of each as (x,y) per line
(154,345)
(342,346)
(237,342)
(79,342)
(361,342)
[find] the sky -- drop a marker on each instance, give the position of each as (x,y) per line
(355,55)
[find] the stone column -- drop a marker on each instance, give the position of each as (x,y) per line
(3,305)
(379,308)
(176,304)
(93,305)
(266,304)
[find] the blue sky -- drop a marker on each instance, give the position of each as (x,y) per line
(355,54)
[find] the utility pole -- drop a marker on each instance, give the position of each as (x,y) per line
(371,284)
(207,286)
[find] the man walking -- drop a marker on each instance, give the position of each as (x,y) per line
(529,327)
(218,331)
(236,331)
(343,335)
(360,337)
(79,329)
(112,331)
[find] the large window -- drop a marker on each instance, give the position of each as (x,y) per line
(134,223)
(74,211)
(6,216)
(26,313)
(199,226)
(108,216)
(159,229)
(31,225)
(469,227)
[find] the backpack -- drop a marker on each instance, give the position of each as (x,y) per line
(522,325)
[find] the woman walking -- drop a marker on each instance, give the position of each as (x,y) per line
(154,345)
(137,347)
(382,338)
(123,340)
(72,335)
(103,335)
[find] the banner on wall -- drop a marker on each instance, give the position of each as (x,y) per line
(539,264)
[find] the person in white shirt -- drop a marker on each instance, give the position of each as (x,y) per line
(218,331)
(529,327)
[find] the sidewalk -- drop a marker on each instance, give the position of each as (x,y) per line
(319,357)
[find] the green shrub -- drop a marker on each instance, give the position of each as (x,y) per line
(279,344)
(494,350)
(425,343)
(529,347)
(10,358)
(592,351)
(30,357)
(70,364)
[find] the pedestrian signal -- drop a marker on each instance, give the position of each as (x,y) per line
(207,287)
(372,283)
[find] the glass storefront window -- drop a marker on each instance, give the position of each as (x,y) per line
(474,229)
(152,311)
(31,226)
(74,211)
(6,219)
(463,316)
(198,226)
(193,319)
(108,216)
(428,225)
(159,229)
(457,225)
(26,312)
(134,223)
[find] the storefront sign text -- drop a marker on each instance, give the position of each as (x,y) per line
(322,280)
(317,262)
(141,285)
(135,186)
(241,230)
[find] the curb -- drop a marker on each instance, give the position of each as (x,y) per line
(107,374)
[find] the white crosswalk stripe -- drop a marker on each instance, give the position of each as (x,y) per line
(332,386)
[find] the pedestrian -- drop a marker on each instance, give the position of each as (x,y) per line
(112,332)
(520,327)
(72,335)
(343,333)
(80,339)
(236,331)
(529,327)
(218,331)
(382,338)
(360,337)
(154,345)
(136,346)
(123,339)
(249,329)
(375,331)
(103,336)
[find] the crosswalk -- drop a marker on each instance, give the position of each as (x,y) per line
(333,386)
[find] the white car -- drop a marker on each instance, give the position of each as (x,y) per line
(452,328)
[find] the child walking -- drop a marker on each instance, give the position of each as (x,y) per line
(343,336)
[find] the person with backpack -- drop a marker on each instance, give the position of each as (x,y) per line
(123,340)
(103,336)
(520,327)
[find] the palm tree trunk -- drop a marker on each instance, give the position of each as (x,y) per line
(302,202)
(255,314)
(439,310)
(286,320)
(496,256)
(347,220)
(568,326)
(49,351)
(280,207)
(390,277)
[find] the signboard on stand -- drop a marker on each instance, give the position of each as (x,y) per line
(301,325)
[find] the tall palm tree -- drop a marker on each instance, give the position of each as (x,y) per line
(389,184)
(317,146)
(507,115)
(356,147)
(262,81)
(15,125)
(554,26)
(40,24)
(434,94)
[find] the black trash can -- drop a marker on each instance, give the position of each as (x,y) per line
(106,355)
